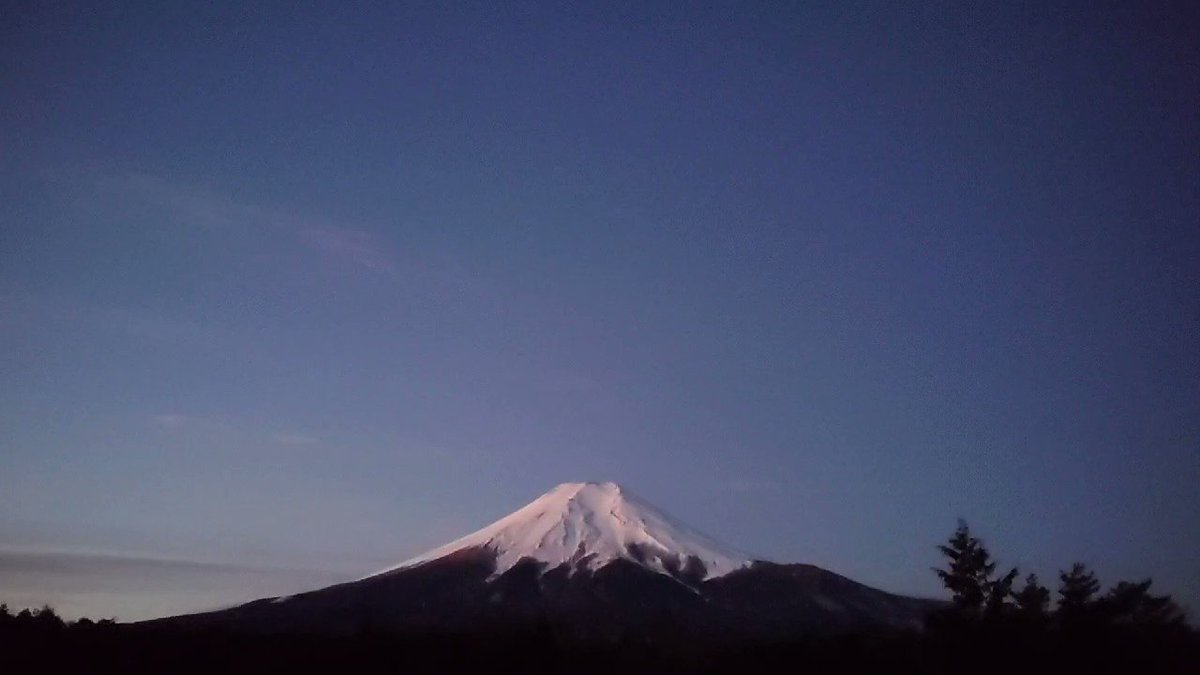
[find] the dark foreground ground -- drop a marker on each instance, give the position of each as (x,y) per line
(90,648)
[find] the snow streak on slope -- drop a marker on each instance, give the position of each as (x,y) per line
(591,525)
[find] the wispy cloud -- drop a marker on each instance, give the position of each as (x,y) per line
(354,245)
(13,558)
(51,308)
(749,485)
(135,587)
(183,203)
(172,420)
(294,439)
(180,422)
(179,202)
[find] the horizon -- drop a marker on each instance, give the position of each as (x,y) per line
(278,581)
(290,294)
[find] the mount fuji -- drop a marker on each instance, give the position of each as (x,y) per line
(588,526)
(592,558)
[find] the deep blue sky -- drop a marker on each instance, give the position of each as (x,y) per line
(312,289)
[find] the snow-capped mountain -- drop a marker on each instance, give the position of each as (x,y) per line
(590,525)
(591,558)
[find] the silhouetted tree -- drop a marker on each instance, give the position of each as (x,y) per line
(999,591)
(1077,596)
(47,619)
(1132,603)
(1033,600)
(1078,588)
(968,570)
(968,576)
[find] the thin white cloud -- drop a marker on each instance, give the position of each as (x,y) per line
(132,587)
(748,485)
(173,420)
(294,439)
(356,246)
(187,204)
(51,308)
(178,421)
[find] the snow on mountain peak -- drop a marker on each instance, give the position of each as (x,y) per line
(591,525)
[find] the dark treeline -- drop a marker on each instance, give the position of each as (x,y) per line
(1006,625)
(995,622)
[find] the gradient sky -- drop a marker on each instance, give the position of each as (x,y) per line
(291,293)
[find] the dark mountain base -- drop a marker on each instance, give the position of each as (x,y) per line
(541,648)
(451,616)
(456,594)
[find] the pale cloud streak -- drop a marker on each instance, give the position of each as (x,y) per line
(183,422)
(751,486)
(172,420)
(49,308)
(356,246)
(294,439)
(189,205)
(133,587)
(186,204)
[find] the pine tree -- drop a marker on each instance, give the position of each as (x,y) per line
(998,593)
(1132,603)
(1077,595)
(1033,600)
(968,573)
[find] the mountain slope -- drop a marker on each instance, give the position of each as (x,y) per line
(591,525)
(593,559)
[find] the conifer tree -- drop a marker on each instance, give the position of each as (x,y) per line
(999,591)
(1132,603)
(1077,595)
(1033,600)
(968,571)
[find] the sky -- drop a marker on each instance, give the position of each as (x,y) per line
(294,291)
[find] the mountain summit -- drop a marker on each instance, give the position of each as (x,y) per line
(592,559)
(588,526)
